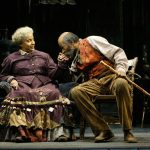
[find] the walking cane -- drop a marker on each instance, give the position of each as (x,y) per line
(131,82)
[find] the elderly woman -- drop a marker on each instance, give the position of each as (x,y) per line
(27,110)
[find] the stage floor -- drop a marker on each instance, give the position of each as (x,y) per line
(142,134)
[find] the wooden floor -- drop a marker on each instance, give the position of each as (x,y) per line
(142,134)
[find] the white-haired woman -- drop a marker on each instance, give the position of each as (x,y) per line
(26,110)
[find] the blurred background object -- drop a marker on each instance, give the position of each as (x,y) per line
(61,2)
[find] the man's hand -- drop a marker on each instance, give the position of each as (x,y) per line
(121,73)
(62,57)
(14,84)
(64,100)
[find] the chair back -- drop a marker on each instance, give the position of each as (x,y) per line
(132,63)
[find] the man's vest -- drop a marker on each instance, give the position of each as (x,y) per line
(90,60)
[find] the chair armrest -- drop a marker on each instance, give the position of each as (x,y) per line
(4,89)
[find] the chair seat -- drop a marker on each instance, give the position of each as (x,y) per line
(105,97)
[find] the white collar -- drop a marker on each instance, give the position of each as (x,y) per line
(22,52)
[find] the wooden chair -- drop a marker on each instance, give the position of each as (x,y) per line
(111,98)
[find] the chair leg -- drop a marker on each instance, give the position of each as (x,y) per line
(82,128)
(145,109)
(72,136)
(143,116)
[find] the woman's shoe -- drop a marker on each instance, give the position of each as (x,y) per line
(22,139)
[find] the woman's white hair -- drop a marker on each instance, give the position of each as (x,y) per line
(21,34)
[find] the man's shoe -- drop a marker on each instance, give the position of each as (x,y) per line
(104,136)
(129,137)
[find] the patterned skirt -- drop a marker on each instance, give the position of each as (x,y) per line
(31,112)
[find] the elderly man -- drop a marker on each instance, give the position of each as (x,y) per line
(85,56)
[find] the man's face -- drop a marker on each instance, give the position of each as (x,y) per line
(69,50)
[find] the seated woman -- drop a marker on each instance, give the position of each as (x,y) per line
(27,110)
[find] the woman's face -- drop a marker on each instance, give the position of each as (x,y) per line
(28,44)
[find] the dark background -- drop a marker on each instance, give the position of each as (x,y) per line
(125,23)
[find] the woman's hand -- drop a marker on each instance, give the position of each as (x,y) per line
(14,84)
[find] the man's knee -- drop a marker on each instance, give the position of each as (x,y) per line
(75,90)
